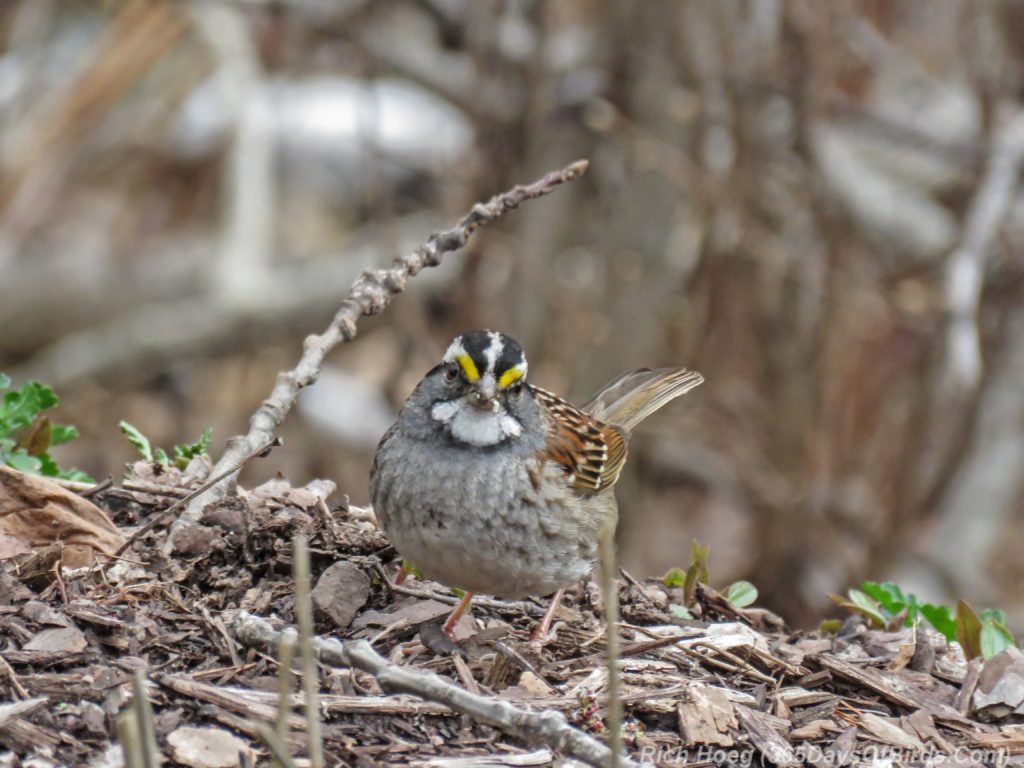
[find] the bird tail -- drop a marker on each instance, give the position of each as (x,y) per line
(633,396)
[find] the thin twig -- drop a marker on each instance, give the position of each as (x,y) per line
(8,670)
(143,710)
(310,673)
(128,738)
(285,655)
(371,293)
(548,727)
(610,593)
(479,601)
(275,743)
(159,519)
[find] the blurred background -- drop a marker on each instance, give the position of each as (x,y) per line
(814,204)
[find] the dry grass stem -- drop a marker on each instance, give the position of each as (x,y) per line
(310,672)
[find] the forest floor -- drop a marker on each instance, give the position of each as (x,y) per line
(735,686)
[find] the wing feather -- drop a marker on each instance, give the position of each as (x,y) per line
(591,451)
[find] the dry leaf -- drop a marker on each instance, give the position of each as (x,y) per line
(39,512)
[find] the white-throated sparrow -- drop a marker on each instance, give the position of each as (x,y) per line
(490,484)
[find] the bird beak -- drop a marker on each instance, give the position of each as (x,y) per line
(482,395)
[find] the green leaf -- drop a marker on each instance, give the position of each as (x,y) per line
(19,407)
(913,609)
(940,617)
(676,577)
(741,594)
(49,467)
(697,572)
(994,638)
(75,474)
(993,614)
(874,589)
(862,604)
(886,594)
(136,438)
(21,461)
(968,630)
(680,611)
(188,451)
(830,626)
(459,593)
(5,381)
(868,606)
(62,433)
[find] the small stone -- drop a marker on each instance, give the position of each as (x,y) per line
(341,591)
(227,514)
(195,541)
(63,640)
(207,747)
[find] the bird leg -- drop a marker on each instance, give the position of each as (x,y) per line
(453,618)
(540,633)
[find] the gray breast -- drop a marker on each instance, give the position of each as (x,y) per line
(475,519)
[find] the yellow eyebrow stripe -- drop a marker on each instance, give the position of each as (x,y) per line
(510,376)
(468,367)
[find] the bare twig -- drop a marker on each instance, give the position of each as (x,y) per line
(371,293)
(610,593)
(12,676)
(966,264)
(285,654)
(310,673)
(128,738)
(549,728)
(479,601)
(275,743)
(142,711)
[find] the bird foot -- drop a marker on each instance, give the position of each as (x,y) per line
(543,632)
(543,636)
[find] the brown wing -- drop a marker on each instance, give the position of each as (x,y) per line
(591,451)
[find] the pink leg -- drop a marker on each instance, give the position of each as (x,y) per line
(541,632)
(453,618)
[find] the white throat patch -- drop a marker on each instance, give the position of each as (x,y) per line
(474,426)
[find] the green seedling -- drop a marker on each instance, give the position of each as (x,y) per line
(181,454)
(27,434)
(740,594)
(887,606)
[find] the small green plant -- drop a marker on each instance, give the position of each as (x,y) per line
(886,605)
(740,594)
(182,454)
(27,434)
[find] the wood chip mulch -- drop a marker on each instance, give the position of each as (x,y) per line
(734,687)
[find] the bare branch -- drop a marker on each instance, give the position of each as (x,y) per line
(964,270)
(371,293)
(549,727)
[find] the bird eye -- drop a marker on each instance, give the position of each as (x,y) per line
(516,389)
(451,372)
